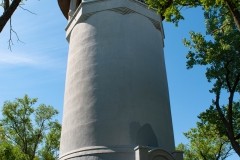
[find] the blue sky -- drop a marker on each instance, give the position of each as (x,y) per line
(38,66)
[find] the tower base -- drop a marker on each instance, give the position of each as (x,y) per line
(101,153)
(122,153)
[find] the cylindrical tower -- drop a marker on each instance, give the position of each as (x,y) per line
(116,92)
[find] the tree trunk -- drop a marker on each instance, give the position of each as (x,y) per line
(230,132)
(234,11)
(234,143)
(8,13)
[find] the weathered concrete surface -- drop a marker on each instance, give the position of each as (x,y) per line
(116,92)
(144,153)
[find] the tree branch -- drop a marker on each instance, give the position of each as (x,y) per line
(227,153)
(27,10)
(219,151)
(230,106)
(220,15)
(227,75)
(222,27)
(8,13)
(203,155)
(38,138)
(236,82)
(10,42)
(222,117)
(9,138)
(235,13)
(17,132)
(6,5)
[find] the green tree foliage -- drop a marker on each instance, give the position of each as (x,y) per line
(211,116)
(51,143)
(221,57)
(28,133)
(171,9)
(8,151)
(206,143)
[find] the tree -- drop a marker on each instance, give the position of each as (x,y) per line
(28,131)
(221,57)
(9,7)
(50,150)
(211,116)
(171,9)
(206,143)
(8,151)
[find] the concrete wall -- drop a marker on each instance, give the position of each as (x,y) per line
(116,93)
(144,153)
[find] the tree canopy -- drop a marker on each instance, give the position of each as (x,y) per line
(29,133)
(221,57)
(206,143)
(171,9)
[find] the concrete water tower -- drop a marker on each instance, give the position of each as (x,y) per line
(116,91)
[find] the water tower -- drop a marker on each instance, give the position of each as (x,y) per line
(116,91)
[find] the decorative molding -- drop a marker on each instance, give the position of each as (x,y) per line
(145,153)
(97,150)
(159,152)
(123,11)
(80,15)
(80,6)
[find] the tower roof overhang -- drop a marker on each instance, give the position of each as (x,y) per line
(64,6)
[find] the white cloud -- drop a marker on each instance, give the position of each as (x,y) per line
(17,59)
(36,60)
